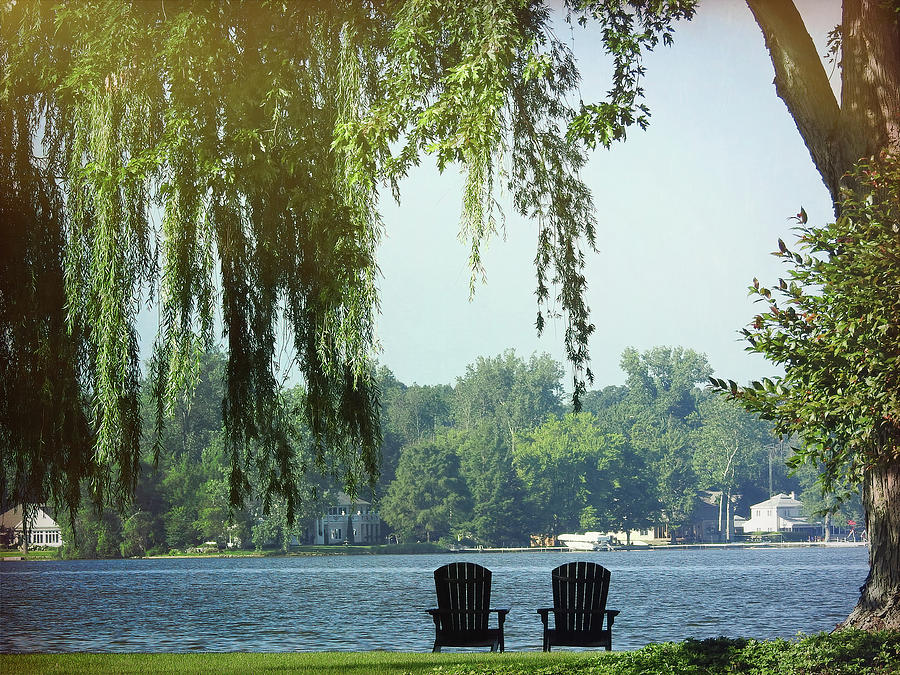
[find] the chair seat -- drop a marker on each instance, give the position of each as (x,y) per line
(484,638)
(564,638)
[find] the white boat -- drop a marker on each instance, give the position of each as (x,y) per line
(589,541)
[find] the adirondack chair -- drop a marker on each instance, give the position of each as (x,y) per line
(464,598)
(579,605)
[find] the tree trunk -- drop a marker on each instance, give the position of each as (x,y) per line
(729,519)
(879,602)
(866,122)
(722,516)
(826,535)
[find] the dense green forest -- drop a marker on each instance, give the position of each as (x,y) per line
(490,460)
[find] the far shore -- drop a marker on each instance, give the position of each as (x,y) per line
(308,551)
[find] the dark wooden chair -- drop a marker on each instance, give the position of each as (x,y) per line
(579,607)
(464,598)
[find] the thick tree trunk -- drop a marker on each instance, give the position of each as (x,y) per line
(866,122)
(870,86)
(879,602)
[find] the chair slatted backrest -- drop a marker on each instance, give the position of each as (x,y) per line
(463,586)
(580,586)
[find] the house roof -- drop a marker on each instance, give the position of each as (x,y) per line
(12,520)
(780,499)
(342,498)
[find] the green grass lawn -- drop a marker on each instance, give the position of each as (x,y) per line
(48,554)
(845,653)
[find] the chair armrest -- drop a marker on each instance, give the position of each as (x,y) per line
(611,615)
(500,612)
(577,611)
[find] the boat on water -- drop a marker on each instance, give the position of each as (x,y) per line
(589,541)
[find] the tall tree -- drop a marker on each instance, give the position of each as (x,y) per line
(263,131)
(507,391)
(499,516)
(665,379)
(729,447)
(865,123)
(427,499)
(667,445)
(659,413)
(557,463)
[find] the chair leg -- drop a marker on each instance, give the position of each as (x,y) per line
(436,648)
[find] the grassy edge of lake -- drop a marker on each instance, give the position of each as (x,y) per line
(295,551)
(842,653)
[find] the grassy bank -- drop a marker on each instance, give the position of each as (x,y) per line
(39,554)
(306,550)
(846,653)
(381,549)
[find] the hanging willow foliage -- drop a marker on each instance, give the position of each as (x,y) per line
(261,132)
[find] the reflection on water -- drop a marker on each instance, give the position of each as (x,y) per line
(378,602)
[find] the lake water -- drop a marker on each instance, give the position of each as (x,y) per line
(379,602)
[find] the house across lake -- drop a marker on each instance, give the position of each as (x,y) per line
(347,520)
(41,529)
(781,513)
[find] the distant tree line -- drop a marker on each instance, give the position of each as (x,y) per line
(497,458)
(490,460)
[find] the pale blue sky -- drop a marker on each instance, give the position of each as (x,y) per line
(687,215)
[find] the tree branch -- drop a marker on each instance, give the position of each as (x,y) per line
(801,82)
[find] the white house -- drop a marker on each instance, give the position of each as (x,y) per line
(42,529)
(348,520)
(781,513)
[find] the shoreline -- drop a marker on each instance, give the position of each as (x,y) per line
(343,551)
(668,547)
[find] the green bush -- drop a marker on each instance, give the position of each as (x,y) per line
(839,653)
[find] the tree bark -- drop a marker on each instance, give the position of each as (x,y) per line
(870,85)
(879,603)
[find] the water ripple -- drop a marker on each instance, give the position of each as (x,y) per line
(379,602)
